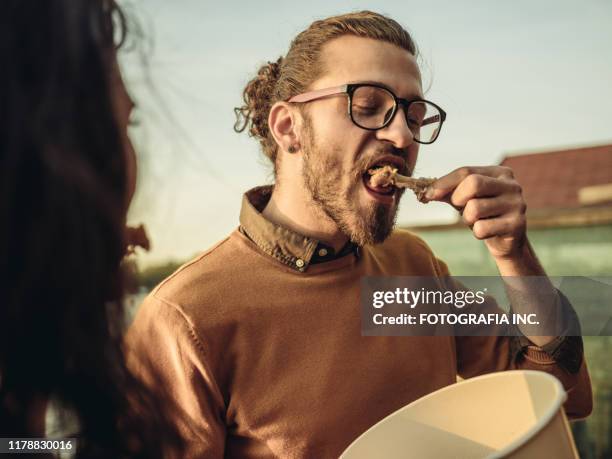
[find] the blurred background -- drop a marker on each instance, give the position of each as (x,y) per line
(525,84)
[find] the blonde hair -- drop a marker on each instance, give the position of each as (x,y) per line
(292,74)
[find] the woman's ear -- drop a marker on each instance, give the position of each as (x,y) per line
(283,126)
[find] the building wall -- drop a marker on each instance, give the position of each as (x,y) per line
(583,251)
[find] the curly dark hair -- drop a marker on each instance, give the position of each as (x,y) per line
(62,212)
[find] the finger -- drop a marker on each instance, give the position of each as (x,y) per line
(444,185)
(481,186)
(501,226)
(477,209)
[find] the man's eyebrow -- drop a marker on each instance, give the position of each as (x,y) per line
(414,96)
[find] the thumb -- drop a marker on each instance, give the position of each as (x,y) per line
(437,191)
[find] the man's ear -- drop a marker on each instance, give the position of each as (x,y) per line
(282,123)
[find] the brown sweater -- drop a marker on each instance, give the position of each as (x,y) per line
(268,360)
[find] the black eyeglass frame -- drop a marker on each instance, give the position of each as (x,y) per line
(349,90)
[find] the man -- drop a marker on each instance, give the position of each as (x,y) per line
(260,337)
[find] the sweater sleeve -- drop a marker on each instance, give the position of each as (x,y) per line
(477,355)
(164,350)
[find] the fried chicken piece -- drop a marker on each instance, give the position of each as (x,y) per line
(386,175)
(382,176)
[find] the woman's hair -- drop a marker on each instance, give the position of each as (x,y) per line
(292,74)
(62,217)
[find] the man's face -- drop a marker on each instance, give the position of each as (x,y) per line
(337,153)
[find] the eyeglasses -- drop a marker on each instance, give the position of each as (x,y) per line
(373,107)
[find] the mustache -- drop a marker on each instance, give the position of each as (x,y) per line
(365,161)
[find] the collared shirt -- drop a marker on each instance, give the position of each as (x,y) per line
(287,246)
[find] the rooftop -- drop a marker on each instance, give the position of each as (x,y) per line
(565,179)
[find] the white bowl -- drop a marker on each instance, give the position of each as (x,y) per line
(511,414)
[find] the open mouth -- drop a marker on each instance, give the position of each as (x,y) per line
(382,180)
(379,179)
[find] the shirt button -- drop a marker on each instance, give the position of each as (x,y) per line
(322,252)
(299,263)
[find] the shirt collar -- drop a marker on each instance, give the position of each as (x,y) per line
(288,247)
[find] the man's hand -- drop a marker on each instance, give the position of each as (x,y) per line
(491,203)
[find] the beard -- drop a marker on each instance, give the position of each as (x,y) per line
(336,192)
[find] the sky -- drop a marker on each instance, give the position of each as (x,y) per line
(514,77)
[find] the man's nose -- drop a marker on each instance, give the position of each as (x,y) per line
(397,132)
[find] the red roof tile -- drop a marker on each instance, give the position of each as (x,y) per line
(553,179)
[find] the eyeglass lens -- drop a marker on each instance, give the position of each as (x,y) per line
(372,107)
